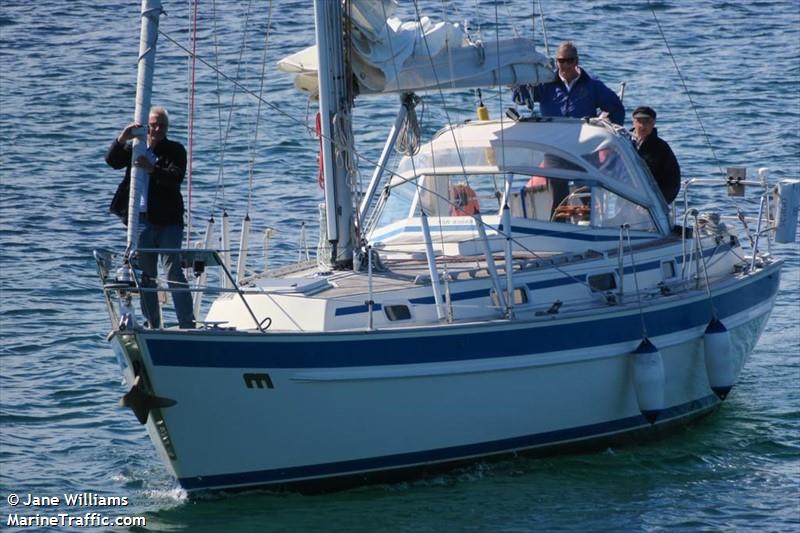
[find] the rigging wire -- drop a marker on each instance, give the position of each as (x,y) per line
(346,155)
(252,161)
(240,86)
(221,175)
(478,32)
(507,184)
(190,132)
(510,18)
(477,216)
(685,87)
(544,28)
(218,72)
(450,200)
(698,239)
(409,136)
(627,229)
(739,212)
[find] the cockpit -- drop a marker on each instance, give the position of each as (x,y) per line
(562,178)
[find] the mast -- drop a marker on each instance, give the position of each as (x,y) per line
(151,10)
(334,108)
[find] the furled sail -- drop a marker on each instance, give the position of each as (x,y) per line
(394,56)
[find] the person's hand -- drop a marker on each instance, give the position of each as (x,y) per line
(144,162)
(127,133)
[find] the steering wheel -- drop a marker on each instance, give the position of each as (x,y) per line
(574,208)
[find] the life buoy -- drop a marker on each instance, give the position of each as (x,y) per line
(463,200)
(537,183)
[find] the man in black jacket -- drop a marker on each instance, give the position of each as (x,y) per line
(161,211)
(656,153)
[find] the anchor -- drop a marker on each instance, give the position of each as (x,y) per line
(141,403)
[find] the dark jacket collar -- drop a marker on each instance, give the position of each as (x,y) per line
(653,135)
(583,76)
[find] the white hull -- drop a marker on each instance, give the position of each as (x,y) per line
(431,397)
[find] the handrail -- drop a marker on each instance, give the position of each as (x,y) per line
(758,234)
(762,183)
(199,256)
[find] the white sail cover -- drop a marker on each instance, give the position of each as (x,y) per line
(394,56)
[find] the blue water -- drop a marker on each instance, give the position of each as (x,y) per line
(67,74)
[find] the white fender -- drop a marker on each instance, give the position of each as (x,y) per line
(648,379)
(720,365)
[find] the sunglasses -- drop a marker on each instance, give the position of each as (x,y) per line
(566,59)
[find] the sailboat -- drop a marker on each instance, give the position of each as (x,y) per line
(513,285)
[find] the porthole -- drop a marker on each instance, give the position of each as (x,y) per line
(520,296)
(668,270)
(602,282)
(397,312)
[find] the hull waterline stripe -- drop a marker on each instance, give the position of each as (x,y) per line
(439,455)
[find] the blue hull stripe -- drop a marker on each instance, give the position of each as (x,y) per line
(337,350)
(453,453)
(576,236)
(356,309)
(582,235)
(456,296)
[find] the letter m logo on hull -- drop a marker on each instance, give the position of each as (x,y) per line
(258,381)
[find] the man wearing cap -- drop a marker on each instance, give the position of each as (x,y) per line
(574,93)
(656,152)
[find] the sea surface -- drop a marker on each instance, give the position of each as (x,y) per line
(67,82)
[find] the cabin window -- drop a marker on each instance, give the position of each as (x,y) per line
(610,210)
(668,270)
(611,164)
(513,155)
(520,296)
(536,197)
(526,157)
(532,197)
(397,312)
(602,282)
(466,156)
(397,205)
(461,196)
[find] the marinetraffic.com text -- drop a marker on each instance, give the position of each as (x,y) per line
(68,510)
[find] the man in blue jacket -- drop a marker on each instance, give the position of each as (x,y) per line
(574,94)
